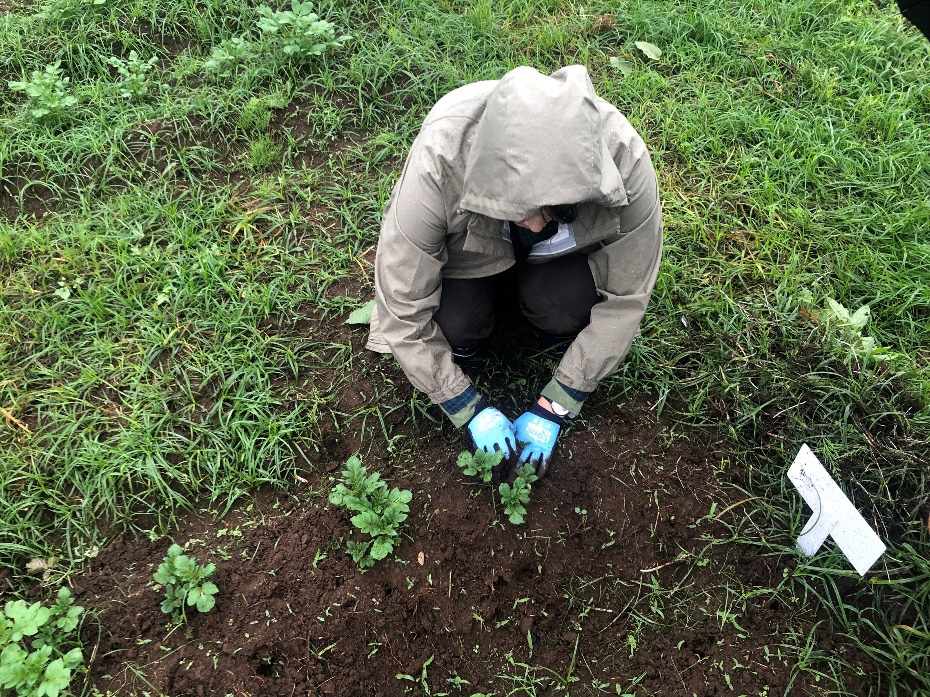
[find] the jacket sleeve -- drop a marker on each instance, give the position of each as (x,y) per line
(625,271)
(408,279)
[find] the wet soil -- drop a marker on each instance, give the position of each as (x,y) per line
(612,585)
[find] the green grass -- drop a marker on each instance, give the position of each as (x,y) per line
(163,236)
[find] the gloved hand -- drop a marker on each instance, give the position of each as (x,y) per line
(490,430)
(536,431)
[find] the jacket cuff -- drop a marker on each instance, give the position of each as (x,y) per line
(537,410)
(461,409)
(565,396)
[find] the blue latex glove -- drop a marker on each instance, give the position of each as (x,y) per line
(536,431)
(491,430)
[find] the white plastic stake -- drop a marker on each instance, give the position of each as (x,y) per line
(834,514)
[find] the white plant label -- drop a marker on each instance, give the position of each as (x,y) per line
(834,514)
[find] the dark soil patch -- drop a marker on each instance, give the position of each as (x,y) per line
(38,200)
(613,579)
(607,574)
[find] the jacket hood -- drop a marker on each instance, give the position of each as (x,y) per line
(540,143)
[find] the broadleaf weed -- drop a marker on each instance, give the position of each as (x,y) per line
(63,10)
(848,327)
(515,496)
(185,583)
(299,32)
(229,54)
(480,464)
(379,511)
(46,93)
(134,72)
(47,669)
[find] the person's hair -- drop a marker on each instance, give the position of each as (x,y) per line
(564,212)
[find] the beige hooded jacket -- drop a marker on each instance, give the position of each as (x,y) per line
(497,151)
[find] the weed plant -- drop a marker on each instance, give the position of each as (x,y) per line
(479,464)
(186,585)
(46,93)
(515,496)
(379,512)
(160,256)
(39,647)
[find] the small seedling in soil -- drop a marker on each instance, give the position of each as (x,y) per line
(516,495)
(299,31)
(185,584)
(47,668)
(378,511)
(46,93)
(480,464)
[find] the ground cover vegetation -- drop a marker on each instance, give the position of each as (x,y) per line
(185,583)
(190,196)
(379,512)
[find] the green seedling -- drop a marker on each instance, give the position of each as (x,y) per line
(46,93)
(134,72)
(230,54)
(848,328)
(255,117)
(47,668)
(60,10)
(185,584)
(299,31)
(378,511)
(480,463)
(516,495)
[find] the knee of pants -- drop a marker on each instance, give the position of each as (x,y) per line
(465,318)
(461,330)
(559,303)
(560,315)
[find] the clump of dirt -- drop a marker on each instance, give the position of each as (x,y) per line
(608,582)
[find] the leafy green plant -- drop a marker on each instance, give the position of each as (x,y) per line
(185,583)
(849,326)
(515,496)
(255,116)
(134,72)
(47,668)
(379,511)
(480,464)
(230,53)
(46,93)
(299,32)
(58,10)
(263,151)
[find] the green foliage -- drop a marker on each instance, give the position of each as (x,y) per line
(134,72)
(47,668)
(378,511)
(231,53)
(255,116)
(847,330)
(185,584)
(62,10)
(299,32)
(46,93)
(480,464)
(263,151)
(515,496)
(362,315)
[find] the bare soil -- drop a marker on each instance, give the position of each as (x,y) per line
(612,579)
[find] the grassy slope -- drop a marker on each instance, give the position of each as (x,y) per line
(791,143)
